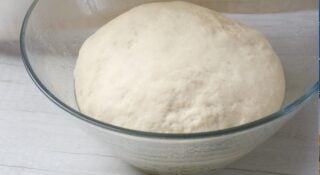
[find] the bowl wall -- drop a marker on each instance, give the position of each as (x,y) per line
(183,156)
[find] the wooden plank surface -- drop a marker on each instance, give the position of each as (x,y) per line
(36,138)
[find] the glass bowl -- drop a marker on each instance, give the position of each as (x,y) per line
(53,32)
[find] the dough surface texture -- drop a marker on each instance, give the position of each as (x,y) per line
(175,67)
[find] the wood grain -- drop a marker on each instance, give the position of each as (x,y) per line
(36,139)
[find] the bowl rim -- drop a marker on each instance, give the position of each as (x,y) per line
(267,119)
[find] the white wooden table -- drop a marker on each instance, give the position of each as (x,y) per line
(36,138)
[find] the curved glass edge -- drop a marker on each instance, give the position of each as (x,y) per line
(216,133)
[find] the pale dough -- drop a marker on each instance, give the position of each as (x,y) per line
(175,67)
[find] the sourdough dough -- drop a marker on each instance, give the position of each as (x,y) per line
(176,67)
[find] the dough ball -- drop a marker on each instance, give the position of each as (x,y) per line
(175,67)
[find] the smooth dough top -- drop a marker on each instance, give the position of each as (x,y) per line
(175,67)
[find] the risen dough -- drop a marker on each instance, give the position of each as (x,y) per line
(175,67)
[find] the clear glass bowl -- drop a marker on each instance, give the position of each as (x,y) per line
(53,32)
